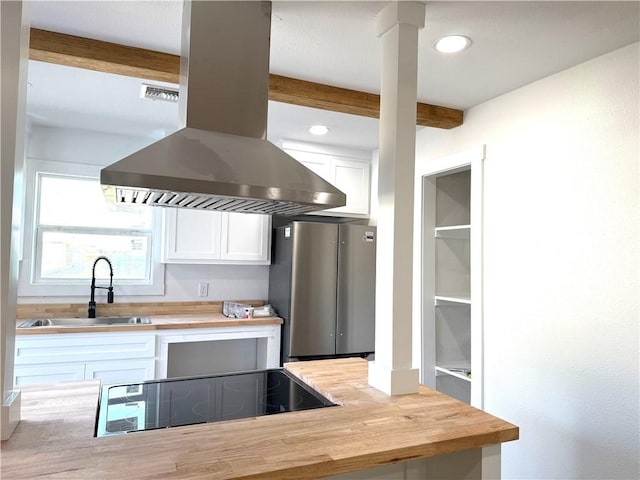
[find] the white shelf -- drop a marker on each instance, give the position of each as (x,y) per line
(453,231)
(452,373)
(448,300)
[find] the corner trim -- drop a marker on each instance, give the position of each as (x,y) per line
(393,382)
(10,413)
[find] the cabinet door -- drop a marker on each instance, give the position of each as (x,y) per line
(245,237)
(120,371)
(318,163)
(55,373)
(191,236)
(347,173)
(353,179)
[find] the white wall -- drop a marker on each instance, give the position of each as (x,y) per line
(562,266)
(226,282)
(240,282)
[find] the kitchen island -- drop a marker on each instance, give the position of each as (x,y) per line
(369,430)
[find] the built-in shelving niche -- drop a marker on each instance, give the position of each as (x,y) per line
(451,293)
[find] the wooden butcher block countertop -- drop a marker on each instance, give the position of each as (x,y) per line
(369,429)
(158,322)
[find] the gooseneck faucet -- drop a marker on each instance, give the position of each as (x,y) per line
(92,301)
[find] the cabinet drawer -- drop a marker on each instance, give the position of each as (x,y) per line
(71,347)
(32,374)
(118,371)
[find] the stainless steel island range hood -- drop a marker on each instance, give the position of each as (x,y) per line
(221,159)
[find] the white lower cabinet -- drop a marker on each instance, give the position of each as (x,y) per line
(201,236)
(118,357)
(110,357)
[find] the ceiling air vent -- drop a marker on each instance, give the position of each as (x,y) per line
(155,92)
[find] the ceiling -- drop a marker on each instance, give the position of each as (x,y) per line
(514,43)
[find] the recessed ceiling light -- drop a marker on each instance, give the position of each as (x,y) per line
(453,43)
(318,130)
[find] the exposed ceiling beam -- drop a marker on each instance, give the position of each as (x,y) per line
(326,97)
(105,57)
(136,62)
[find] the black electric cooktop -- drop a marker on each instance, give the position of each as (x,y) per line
(190,400)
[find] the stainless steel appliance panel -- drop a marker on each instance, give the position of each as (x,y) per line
(313,289)
(280,281)
(356,289)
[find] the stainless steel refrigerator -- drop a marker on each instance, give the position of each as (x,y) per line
(322,283)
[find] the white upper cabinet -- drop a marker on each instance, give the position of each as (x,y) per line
(353,178)
(191,236)
(349,170)
(245,237)
(316,162)
(200,236)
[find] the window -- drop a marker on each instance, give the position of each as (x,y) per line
(75,226)
(72,225)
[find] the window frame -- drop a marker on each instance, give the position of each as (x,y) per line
(30,281)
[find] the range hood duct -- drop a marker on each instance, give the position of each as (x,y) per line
(221,159)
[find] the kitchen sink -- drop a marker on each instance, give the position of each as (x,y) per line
(84,322)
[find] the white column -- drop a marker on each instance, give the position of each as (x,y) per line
(397,25)
(14,31)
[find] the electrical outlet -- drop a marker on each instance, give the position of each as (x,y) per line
(203,289)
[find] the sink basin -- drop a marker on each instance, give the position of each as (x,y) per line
(84,322)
